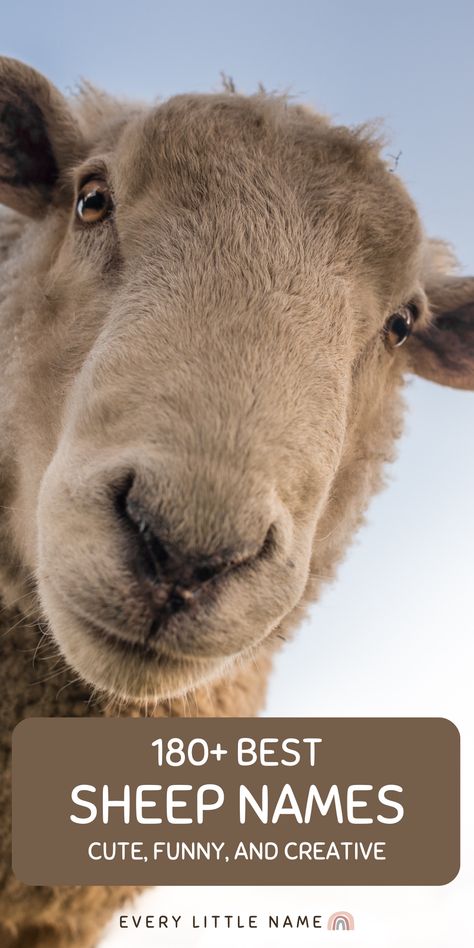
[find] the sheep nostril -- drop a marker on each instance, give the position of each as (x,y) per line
(120,494)
(147,538)
(147,555)
(205,571)
(269,544)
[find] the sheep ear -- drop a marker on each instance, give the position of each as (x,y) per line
(443,351)
(39,139)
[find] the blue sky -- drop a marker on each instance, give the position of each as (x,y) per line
(394,634)
(410,62)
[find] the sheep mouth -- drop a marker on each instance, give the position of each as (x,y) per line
(158,640)
(136,669)
(155,653)
(170,624)
(129,649)
(130,640)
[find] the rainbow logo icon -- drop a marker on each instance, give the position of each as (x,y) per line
(341,922)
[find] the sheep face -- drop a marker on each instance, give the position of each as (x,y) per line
(209,366)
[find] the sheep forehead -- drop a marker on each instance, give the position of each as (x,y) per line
(315,183)
(234,134)
(205,146)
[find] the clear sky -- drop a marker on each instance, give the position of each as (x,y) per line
(394,634)
(410,62)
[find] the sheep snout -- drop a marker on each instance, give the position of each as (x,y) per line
(171,577)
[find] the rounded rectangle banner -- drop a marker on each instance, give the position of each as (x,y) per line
(212,801)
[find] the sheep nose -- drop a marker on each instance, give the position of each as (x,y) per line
(173,577)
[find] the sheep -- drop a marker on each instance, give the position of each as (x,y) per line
(209,307)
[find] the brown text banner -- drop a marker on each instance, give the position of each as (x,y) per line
(234,801)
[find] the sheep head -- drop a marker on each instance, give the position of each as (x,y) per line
(205,317)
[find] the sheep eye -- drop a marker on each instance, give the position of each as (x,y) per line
(94,203)
(399,326)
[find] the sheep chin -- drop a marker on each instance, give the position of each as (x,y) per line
(124,671)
